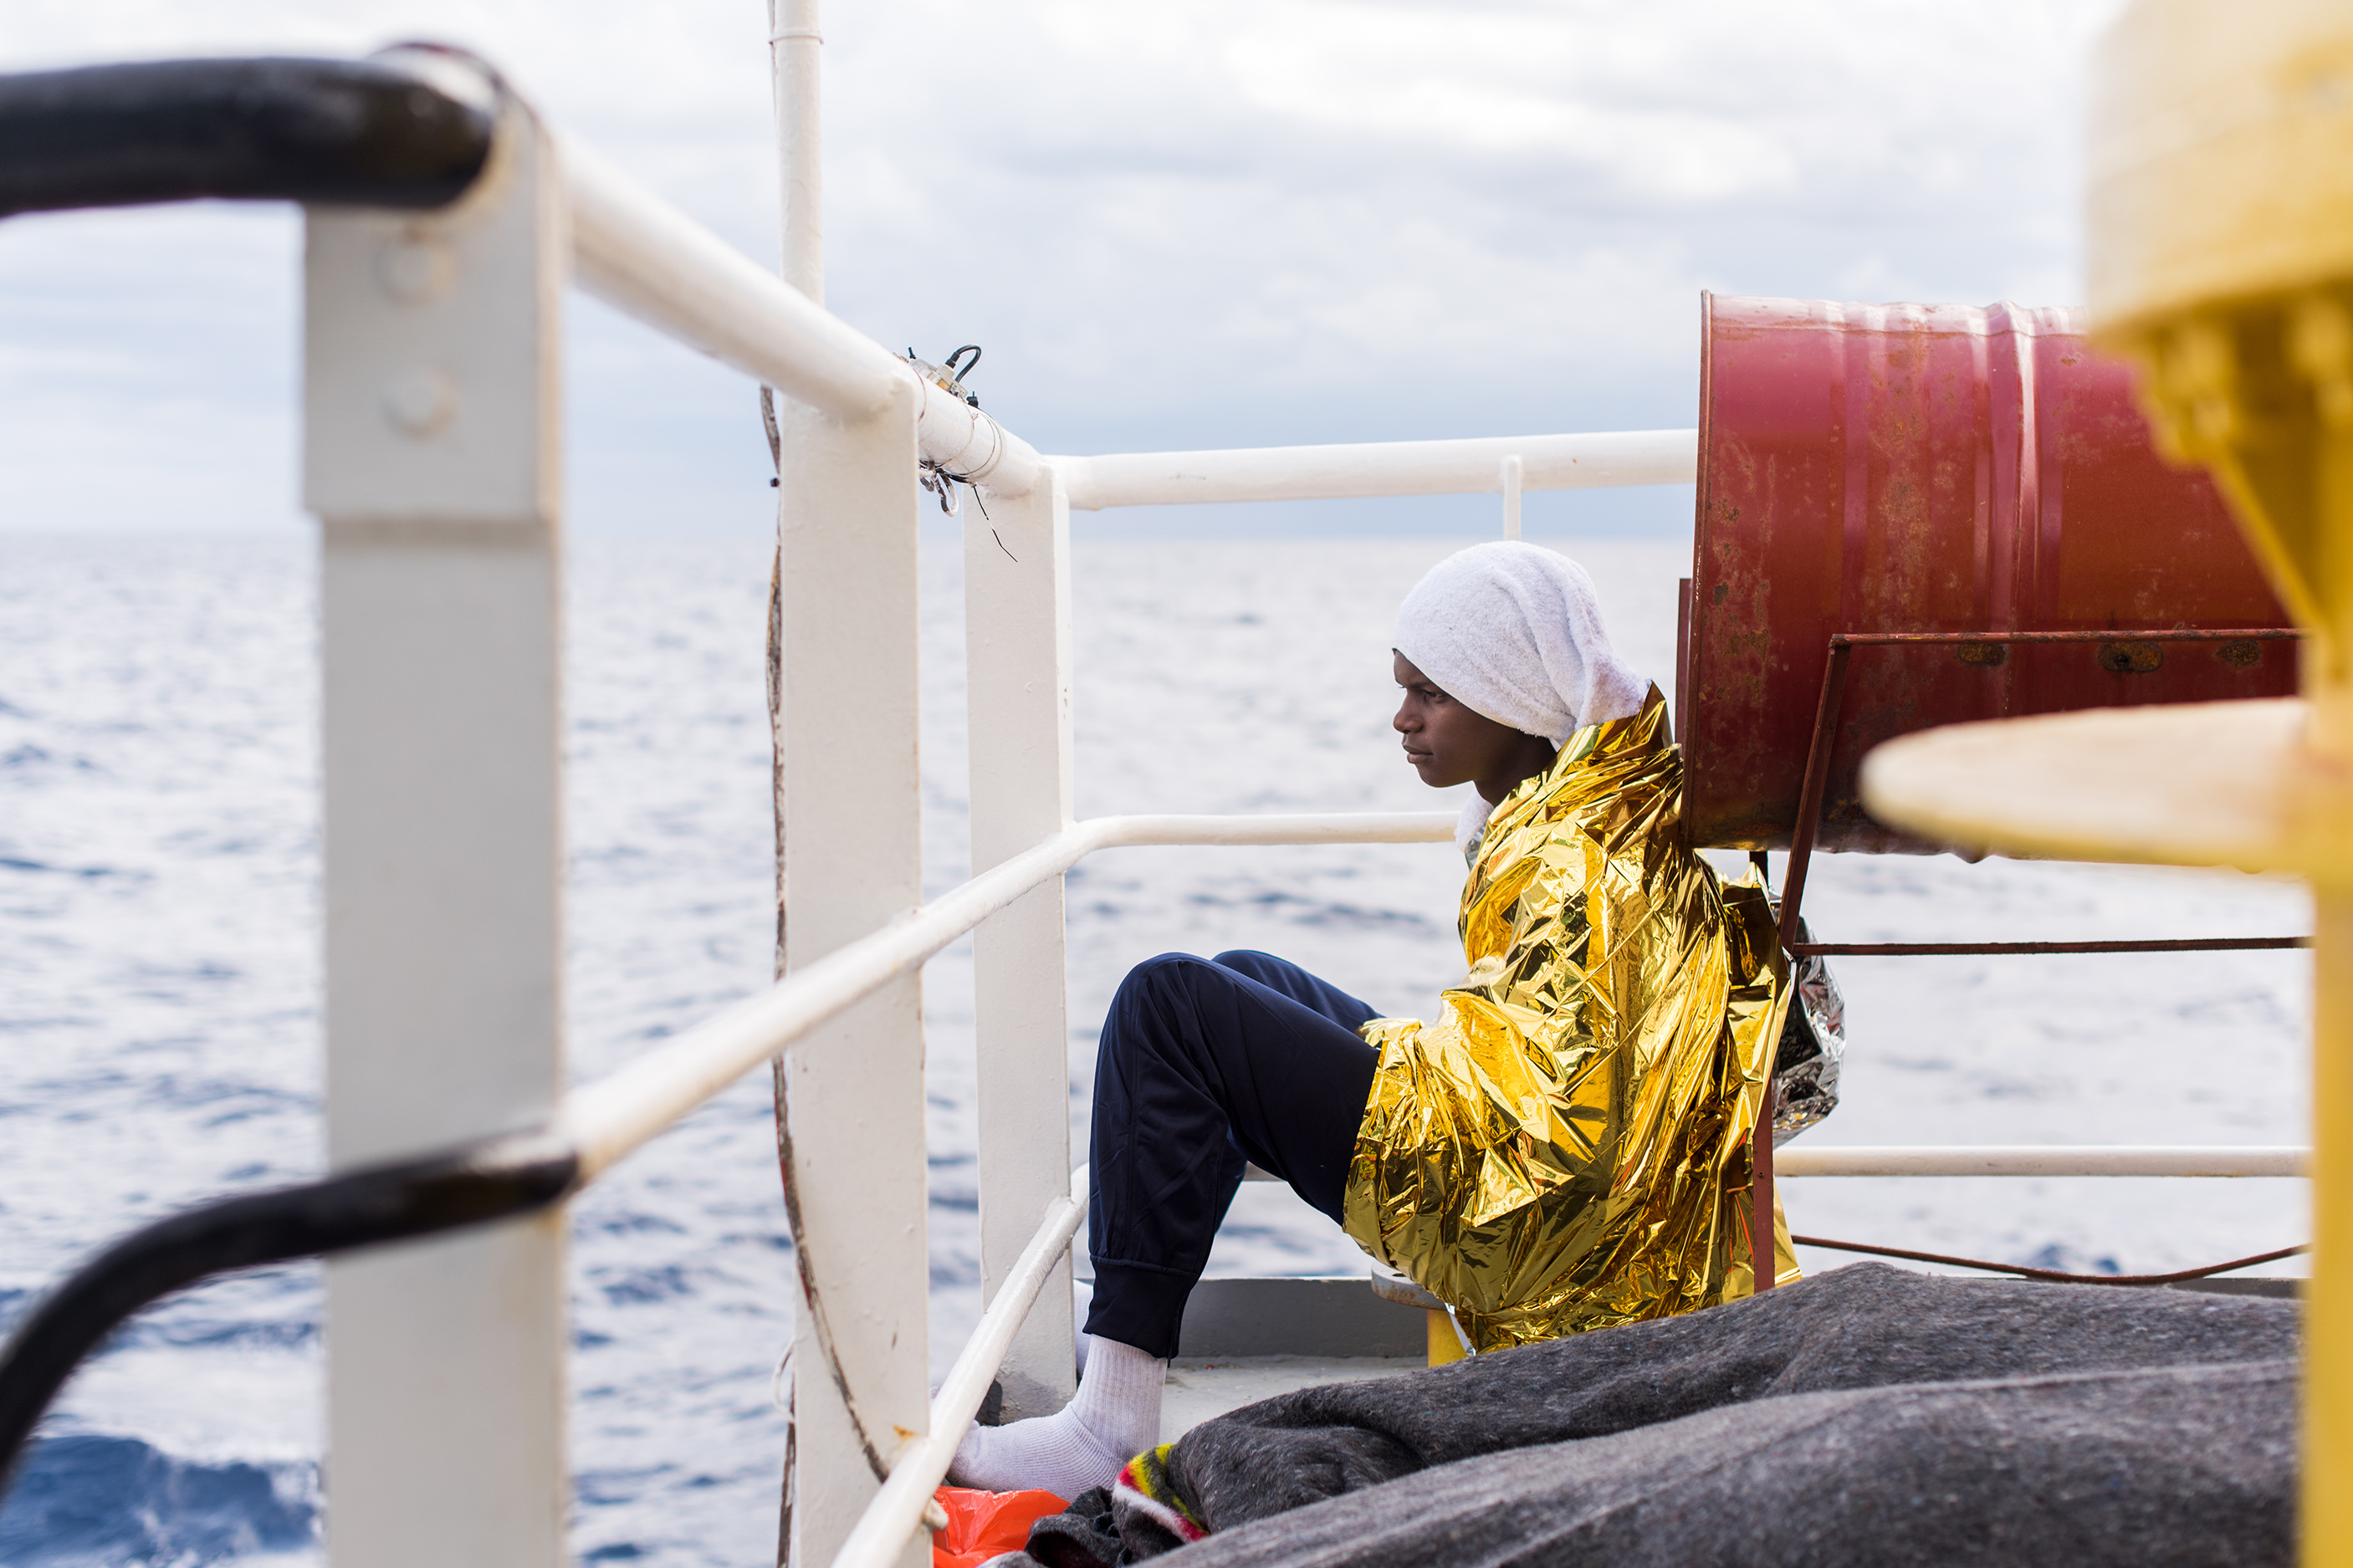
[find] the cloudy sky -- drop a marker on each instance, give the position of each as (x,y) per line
(1230,222)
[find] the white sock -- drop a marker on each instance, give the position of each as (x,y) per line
(1115,1416)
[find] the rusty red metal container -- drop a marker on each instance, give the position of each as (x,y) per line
(1877,468)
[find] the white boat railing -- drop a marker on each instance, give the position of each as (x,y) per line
(1383,468)
(904,1503)
(2219,1160)
(432,450)
(645,258)
(610,1118)
(2045,1160)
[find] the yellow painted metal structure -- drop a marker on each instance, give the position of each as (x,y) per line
(1445,1344)
(2221,261)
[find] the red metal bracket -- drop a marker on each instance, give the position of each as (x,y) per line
(1825,739)
(1801,853)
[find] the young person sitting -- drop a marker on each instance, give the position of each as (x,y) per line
(1566,1148)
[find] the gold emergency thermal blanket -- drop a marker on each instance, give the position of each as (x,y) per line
(1568,1146)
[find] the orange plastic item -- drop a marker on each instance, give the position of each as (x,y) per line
(982,1525)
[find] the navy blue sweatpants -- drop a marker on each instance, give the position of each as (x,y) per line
(1205,1063)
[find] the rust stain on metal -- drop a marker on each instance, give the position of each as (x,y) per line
(2240,653)
(2224,635)
(2002,949)
(1968,474)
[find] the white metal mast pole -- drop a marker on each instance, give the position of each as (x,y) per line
(793,45)
(849,858)
(431,459)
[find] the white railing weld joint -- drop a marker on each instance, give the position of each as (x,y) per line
(921,1463)
(607,1120)
(965,429)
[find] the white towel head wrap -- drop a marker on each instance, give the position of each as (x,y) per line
(1514,633)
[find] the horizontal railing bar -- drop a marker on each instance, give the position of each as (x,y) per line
(1380,469)
(640,255)
(597,1125)
(448,1189)
(2045,1160)
(1334,827)
(404,130)
(2227,634)
(610,1117)
(643,256)
(1995,949)
(882,1530)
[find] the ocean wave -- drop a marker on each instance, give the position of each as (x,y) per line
(44,869)
(640,1286)
(174,1329)
(29,757)
(92,1498)
(164,1018)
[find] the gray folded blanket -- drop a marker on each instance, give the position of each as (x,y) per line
(1866,1415)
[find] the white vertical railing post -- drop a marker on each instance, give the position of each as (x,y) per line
(853,1089)
(844,676)
(1017,674)
(1514,473)
(431,461)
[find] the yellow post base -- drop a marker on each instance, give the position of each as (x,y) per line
(1445,1344)
(2233,783)
(2328,1522)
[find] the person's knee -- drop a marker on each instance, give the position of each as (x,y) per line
(1250,962)
(1155,977)
(1154,992)
(1161,968)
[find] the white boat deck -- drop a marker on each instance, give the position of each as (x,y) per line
(1202,1387)
(1248,1340)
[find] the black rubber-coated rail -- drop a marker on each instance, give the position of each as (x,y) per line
(340,132)
(495,1179)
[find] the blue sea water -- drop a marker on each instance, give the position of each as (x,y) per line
(159,988)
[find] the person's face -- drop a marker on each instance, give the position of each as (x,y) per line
(1446,743)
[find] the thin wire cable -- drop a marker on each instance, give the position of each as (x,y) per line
(2053,1275)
